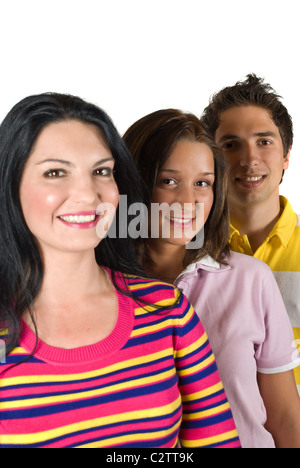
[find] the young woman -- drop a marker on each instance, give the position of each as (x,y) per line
(89,362)
(235,296)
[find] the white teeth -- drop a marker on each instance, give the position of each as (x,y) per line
(78,219)
(180,220)
(253,179)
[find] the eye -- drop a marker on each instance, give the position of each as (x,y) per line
(54,173)
(168,181)
(104,172)
(203,183)
(229,146)
(265,142)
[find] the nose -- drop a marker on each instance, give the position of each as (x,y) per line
(84,191)
(187,198)
(249,157)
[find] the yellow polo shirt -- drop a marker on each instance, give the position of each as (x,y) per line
(281,251)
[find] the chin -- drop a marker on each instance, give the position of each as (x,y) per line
(179,242)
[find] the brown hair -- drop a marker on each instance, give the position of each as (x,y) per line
(252,91)
(151,141)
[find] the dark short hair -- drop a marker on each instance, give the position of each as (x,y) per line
(252,91)
(151,141)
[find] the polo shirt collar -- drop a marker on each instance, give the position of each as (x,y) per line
(206,263)
(284,227)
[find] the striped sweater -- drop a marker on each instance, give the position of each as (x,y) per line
(151,382)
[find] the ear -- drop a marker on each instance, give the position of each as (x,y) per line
(286,162)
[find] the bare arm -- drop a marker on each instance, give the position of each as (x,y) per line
(282,402)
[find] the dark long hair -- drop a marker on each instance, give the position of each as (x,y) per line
(21,267)
(150,141)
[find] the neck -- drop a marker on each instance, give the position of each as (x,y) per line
(69,275)
(76,305)
(166,261)
(255,220)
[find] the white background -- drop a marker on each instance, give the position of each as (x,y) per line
(132,57)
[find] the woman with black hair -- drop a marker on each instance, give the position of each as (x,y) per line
(95,358)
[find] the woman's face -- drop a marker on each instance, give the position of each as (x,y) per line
(186,182)
(67,177)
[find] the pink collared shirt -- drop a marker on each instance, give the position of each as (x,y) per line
(249,330)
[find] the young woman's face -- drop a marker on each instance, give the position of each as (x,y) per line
(185,182)
(67,176)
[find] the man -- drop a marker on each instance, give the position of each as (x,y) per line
(255,132)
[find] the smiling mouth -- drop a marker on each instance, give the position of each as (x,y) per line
(78,219)
(250,182)
(180,221)
(250,179)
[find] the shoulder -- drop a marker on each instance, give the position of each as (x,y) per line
(288,215)
(152,291)
(250,272)
(245,263)
(164,304)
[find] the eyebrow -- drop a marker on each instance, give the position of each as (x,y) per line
(258,134)
(173,171)
(70,164)
(266,134)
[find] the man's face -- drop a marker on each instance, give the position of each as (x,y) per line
(253,148)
